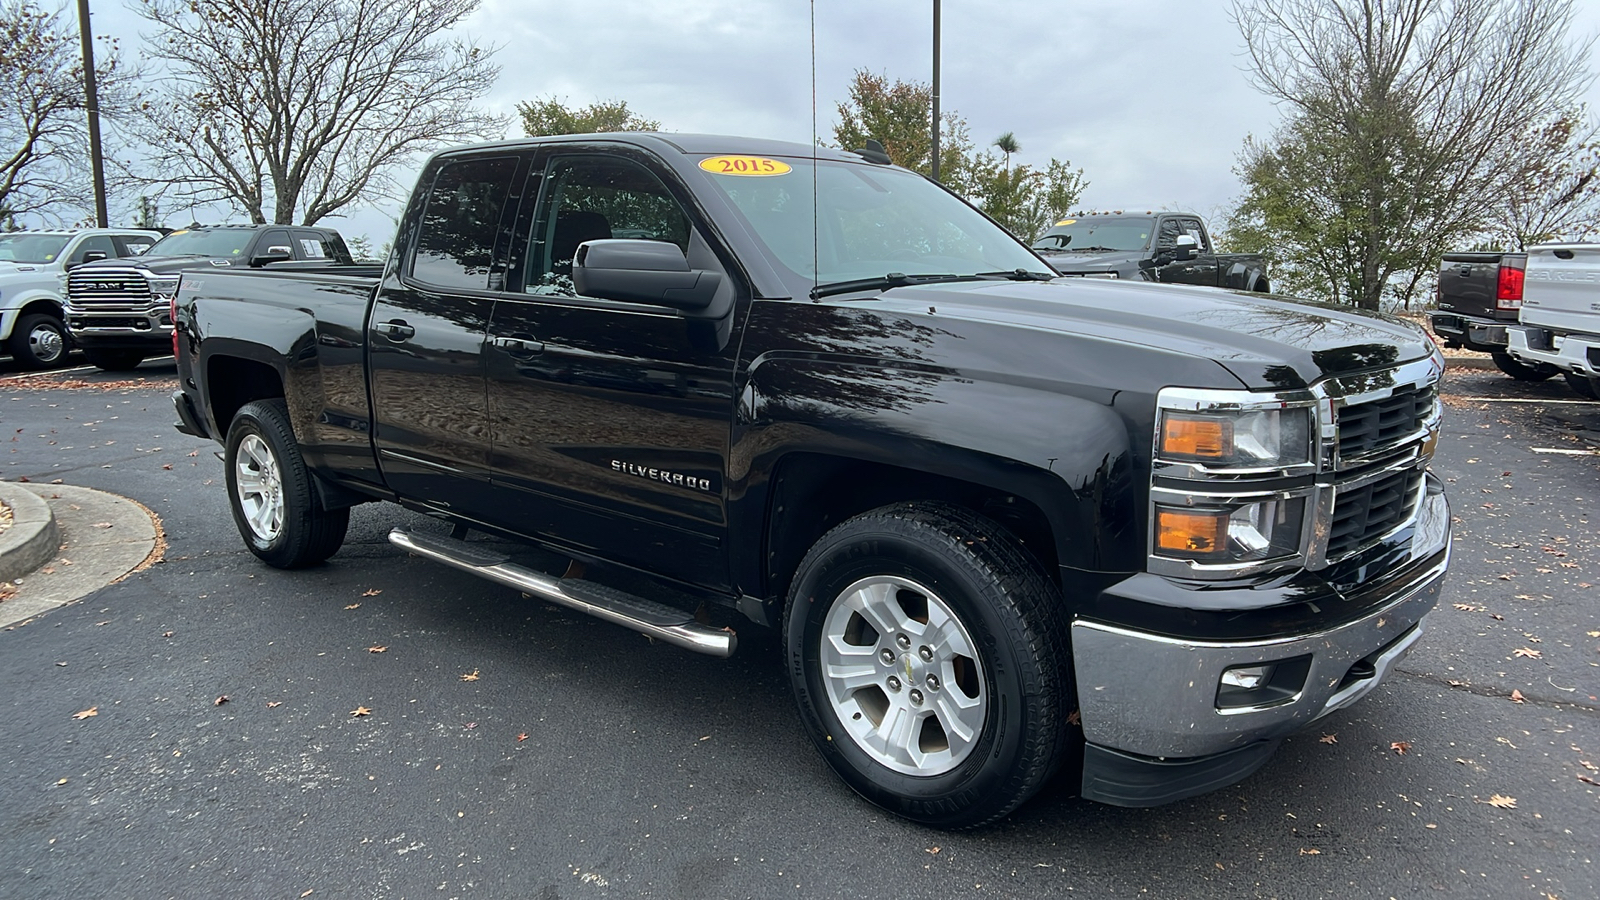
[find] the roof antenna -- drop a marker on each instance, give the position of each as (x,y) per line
(874,153)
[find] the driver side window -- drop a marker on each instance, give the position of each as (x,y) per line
(587,199)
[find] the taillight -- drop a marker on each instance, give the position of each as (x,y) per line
(172,316)
(1508,289)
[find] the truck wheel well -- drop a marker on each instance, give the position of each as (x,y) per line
(812,493)
(232,382)
(42,307)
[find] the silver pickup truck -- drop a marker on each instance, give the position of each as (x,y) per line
(1560,319)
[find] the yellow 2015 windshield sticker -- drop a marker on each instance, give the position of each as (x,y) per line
(1066,222)
(749,166)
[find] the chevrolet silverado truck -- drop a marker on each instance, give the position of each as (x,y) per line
(119,312)
(33,270)
(1559,325)
(1171,248)
(1006,524)
(1478,297)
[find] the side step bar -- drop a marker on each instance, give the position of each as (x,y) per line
(648,617)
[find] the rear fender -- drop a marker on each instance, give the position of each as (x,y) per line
(284,340)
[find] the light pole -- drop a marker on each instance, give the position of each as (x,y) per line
(91,105)
(935,89)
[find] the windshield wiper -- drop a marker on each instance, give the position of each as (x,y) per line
(882,282)
(1095,249)
(1018,275)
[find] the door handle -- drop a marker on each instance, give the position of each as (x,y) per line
(520,346)
(395,330)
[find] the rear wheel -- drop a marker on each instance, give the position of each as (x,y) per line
(274,502)
(1522,371)
(115,360)
(928,655)
(38,341)
(1582,385)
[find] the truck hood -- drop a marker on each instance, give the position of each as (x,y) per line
(162,265)
(1069,263)
(1266,342)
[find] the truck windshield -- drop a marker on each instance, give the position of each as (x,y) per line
(1102,235)
(31,248)
(205,242)
(870,221)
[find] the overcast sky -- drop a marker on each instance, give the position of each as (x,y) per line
(1148,97)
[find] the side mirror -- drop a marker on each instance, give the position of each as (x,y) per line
(635,271)
(1185,248)
(94,256)
(274,253)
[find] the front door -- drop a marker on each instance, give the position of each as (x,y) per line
(425,337)
(609,428)
(1202,270)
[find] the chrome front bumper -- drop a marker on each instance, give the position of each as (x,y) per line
(1575,353)
(1157,696)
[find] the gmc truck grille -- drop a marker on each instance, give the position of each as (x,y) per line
(1366,513)
(1370,428)
(103,288)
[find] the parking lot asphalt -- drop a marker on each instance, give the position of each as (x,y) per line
(513,749)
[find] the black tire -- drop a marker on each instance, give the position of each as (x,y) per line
(1015,621)
(115,360)
(39,341)
(1521,371)
(305,533)
(1582,385)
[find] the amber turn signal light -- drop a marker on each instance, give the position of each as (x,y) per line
(1191,533)
(1195,437)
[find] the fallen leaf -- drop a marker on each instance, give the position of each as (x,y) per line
(167,466)
(371,593)
(1497,617)
(1329,739)
(274,704)
(1465,607)
(101,525)
(1400,747)
(1529,653)
(1587,780)
(360,711)
(522,737)
(91,711)
(307,893)
(1074,718)
(1516,696)
(1311,852)
(1594,634)
(197,453)
(1499,802)
(470,676)
(1589,765)
(377,648)
(934,850)
(168,633)
(61,782)
(220,700)
(470,725)
(353,606)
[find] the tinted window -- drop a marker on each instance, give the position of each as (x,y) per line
(1097,235)
(314,245)
(133,244)
(218,242)
(274,239)
(31,248)
(455,243)
(99,242)
(588,199)
(1191,227)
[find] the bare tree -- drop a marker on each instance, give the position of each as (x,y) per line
(1558,185)
(287,108)
(1412,101)
(43,125)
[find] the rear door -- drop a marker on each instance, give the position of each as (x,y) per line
(426,330)
(609,426)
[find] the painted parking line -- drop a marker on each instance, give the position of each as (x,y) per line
(1522,400)
(1564,451)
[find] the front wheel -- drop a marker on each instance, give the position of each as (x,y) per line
(274,502)
(928,655)
(1582,385)
(38,341)
(1522,371)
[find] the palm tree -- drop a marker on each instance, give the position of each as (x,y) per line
(1008,145)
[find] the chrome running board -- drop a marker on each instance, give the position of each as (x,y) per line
(652,619)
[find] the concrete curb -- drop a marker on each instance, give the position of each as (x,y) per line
(32,539)
(103,537)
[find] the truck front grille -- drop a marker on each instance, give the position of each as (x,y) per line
(108,288)
(1368,429)
(1364,514)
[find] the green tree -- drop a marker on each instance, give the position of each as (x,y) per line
(546,116)
(1395,141)
(896,114)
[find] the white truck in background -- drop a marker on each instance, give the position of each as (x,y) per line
(33,273)
(1560,319)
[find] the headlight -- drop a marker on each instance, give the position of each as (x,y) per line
(163,286)
(1239,533)
(1236,439)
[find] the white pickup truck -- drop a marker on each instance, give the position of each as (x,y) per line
(33,271)
(1560,319)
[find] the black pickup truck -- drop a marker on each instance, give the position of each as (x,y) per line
(1169,247)
(119,311)
(1006,523)
(1479,296)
